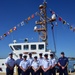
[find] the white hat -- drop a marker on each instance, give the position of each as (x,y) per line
(51,53)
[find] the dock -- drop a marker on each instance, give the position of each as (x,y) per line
(56,73)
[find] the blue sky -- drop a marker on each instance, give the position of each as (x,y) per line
(13,12)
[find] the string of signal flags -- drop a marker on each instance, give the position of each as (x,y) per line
(62,20)
(22,23)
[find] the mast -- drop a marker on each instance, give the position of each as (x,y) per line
(42,23)
(41,27)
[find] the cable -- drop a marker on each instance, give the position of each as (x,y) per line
(52,28)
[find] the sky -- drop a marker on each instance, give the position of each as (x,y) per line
(13,12)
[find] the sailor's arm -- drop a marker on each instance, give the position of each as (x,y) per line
(48,68)
(59,64)
(54,64)
(38,68)
(22,68)
(42,68)
(9,66)
(33,68)
(66,64)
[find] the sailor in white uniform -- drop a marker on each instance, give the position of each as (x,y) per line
(30,59)
(18,62)
(24,65)
(40,61)
(35,66)
(46,65)
(54,63)
(10,64)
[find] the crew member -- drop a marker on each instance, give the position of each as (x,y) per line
(53,63)
(35,66)
(46,65)
(63,63)
(30,59)
(18,62)
(24,64)
(40,61)
(10,63)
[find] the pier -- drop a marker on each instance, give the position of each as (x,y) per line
(56,73)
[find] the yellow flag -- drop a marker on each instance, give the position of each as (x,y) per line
(11,30)
(29,18)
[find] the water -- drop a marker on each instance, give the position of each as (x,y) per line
(70,66)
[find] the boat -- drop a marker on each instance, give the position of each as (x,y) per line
(34,47)
(25,48)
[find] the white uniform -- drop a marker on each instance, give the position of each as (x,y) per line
(10,62)
(30,60)
(24,64)
(18,61)
(40,61)
(53,61)
(46,63)
(35,64)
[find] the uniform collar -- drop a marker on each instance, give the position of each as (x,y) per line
(41,58)
(30,58)
(10,58)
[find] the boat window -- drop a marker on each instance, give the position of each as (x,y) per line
(41,47)
(33,47)
(17,47)
(26,47)
(11,48)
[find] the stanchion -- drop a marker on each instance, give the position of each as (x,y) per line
(16,70)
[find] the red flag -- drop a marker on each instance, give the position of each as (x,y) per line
(60,19)
(32,16)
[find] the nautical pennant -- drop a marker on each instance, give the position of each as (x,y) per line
(71,28)
(74,29)
(22,23)
(8,33)
(32,16)
(18,25)
(60,19)
(5,35)
(14,28)
(29,18)
(11,31)
(63,21)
